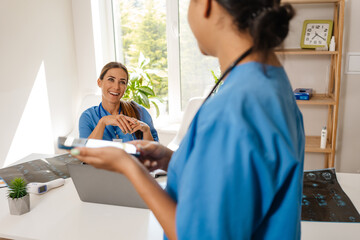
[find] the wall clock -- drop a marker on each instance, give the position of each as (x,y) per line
(316,33)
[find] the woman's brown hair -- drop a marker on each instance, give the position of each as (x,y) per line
(128,108)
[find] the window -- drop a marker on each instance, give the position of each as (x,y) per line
(195,74)
(159,30)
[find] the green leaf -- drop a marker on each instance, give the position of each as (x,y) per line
(214,76)
(143,61)
(137,99)
(148,77)
(146,90)
(145,100)
(157,108)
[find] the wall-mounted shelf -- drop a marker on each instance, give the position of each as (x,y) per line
(309,1)
(312,144)
(329,99)
(318,99)
(299,51)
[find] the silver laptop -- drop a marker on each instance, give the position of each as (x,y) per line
(101,186)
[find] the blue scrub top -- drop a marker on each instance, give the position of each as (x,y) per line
(238,171)
(90,118)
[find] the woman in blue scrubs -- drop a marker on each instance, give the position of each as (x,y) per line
(115,119)
(237,173)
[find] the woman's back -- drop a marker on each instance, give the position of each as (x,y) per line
(238,172)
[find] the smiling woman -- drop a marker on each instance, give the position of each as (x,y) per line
(116,119)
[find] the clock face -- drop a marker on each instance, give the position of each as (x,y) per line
(316,34)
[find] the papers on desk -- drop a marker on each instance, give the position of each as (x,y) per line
(324,200)
(39,170)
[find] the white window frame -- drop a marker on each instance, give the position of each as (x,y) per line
(106,50)
(173,47)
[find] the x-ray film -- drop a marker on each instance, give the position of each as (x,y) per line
(324,200)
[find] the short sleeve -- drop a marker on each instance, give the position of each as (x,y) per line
(85,125)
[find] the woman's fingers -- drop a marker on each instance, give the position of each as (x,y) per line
(151,165)
(144,147)
(135,125)
(106,158)
(121,125)
(125,127)
(87,155)
(130,119)
(135,128)
(154,164)
(139,125)
(147,163)
(125,123)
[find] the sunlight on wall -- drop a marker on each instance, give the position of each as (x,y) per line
(34,132)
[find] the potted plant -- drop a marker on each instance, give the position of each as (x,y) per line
(18,197)
(140,86)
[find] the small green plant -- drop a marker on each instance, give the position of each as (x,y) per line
(17,188)
(140,85)
(216,78)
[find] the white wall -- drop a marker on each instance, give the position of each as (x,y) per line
(37,59)
(347,157)
(84,46)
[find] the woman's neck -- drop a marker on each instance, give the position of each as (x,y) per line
(112,108)
(230,54)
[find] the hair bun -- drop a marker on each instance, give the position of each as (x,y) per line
(266,20)
(271,26)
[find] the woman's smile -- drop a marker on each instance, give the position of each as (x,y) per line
(116,94)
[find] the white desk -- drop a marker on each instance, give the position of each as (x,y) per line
(60,214)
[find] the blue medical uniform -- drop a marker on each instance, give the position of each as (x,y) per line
(90,118)
(238,171)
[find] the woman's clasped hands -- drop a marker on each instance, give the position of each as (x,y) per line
(126,124)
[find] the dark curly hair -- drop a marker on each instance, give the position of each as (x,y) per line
(266,20)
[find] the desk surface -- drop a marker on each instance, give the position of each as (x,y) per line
(60,214)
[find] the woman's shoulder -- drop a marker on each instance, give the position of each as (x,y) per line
(90,111)
(249,87)
(257,80)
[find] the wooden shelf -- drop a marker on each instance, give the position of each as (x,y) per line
(328,99)
(300,51)
(318,99)
(312,144)
(309,1)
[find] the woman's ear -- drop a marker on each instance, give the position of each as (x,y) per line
(99,82)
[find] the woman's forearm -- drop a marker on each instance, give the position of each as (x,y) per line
(98,131)
(160,203)
(147,135)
